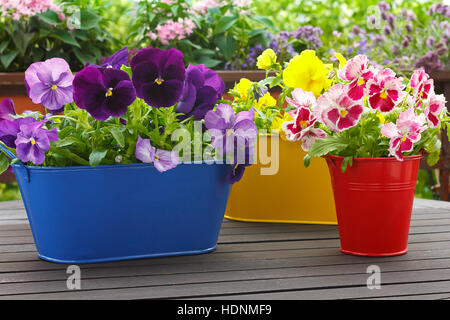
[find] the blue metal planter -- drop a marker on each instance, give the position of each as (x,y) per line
(118,212)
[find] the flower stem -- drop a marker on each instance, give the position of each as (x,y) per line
(72,119)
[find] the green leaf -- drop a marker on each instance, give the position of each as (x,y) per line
(21,40)
(50,17)
(257,32)
(127,70)
(81,34)
(208,62)
(4,162)
(345,163)
(83,57)
(266,81)
(96,157)
(3,45)
(64,36)
(266,21)
(76,145)
(88,19)
(307,160)
(66,154)
(225,23)
(7,58)
(433,158)
(191,44)
(330,145)
(118,135)
(227,45)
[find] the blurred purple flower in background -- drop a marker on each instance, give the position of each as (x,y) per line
(286,44)
(103,92)
(429,62)
(202,88)
(158,76)
(50,83)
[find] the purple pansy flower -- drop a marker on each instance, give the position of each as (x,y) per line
(103,92)
(50,83)
(6,109)
(163,160)
(202,88)
(9,127)
(158,76)
(116,60)
(33,141)
(230,133)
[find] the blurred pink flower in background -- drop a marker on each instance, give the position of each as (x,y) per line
(202,6)
(173,30)
(20,8)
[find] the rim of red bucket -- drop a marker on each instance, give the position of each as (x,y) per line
(413,157)
(108,166)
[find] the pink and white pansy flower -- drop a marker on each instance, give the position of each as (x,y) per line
(421,84)
(385,91)
(435,106)
(404,133)
(302,99)
(338,111)
(302,128)
(358,72)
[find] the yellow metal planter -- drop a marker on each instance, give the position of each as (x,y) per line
(294,194)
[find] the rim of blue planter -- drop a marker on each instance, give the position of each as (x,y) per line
(107,166)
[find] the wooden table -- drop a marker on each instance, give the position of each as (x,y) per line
(252,261)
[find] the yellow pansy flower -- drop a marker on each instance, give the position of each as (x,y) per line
(341,59)
(308,72)
(381,117)
(242,88)
(265,101)
(277,122)
(266,59)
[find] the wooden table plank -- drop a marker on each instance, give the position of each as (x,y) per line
(253,261)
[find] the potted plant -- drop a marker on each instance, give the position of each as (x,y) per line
(32,31)
(129,169)
(372,127)
(273,188)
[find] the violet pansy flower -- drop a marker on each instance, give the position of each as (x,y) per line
(6,109)
(163,160)
(33,141)
(116,60)
(158,76)
(202,88)
(50,83)
(230,133)
(9,127)
(103,92)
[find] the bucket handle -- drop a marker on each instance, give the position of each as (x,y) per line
(12,156)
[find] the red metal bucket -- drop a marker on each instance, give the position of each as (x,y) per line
(374,199)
